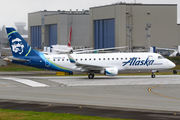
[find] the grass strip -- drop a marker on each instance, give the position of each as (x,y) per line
(7,114)
(19,68)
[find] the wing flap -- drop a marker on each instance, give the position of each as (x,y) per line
(90,67)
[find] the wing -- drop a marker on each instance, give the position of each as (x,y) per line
(78,50)
(113,48)
(86,67)
(166,49)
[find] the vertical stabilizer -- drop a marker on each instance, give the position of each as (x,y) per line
(19,46)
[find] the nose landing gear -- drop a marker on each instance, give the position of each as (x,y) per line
(153,75)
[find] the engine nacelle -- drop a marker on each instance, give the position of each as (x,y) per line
(173,54)
(112,71)
(179,49)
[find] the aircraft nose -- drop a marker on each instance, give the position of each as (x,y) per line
(172,65)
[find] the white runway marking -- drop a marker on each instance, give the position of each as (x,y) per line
(27,82)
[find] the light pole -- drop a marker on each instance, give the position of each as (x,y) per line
(129,27)
(148,35)
(129,37)
(130,30)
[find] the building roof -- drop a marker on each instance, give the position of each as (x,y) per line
(135,4)
(62,12)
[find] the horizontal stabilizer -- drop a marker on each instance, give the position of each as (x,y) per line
(15,59)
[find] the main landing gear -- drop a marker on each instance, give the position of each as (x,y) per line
(91,75)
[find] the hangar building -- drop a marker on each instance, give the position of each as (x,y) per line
(52,27)
(178,30)
(115,25)
(124,24)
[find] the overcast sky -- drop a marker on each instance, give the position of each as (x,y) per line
(12,11)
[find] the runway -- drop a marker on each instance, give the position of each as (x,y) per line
(121,92)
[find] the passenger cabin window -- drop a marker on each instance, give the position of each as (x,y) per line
(67,59)
(99,58)
(94,58)
(103,58)
(112,58)
(108,58)
(121,58)
(116,58)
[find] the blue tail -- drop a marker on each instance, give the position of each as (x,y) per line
(19,47)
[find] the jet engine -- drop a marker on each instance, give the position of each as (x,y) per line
(111,71)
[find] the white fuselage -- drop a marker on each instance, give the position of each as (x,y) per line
(123,61)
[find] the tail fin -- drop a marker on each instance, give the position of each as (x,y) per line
(69,42)
(19,46)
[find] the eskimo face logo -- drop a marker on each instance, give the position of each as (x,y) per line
(17,46)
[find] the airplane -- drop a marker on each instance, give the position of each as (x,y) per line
(59,49)
(176,52)
(109,64)
(63,48)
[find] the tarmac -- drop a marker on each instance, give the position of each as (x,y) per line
(130,97)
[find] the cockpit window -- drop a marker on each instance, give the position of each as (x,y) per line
(160,57)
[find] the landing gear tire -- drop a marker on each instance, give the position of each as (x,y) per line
(153,75)
(91,76)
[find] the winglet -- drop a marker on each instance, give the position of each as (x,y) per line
(71,59)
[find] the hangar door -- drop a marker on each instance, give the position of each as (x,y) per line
(53,34)
(36,36)
(104,33)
